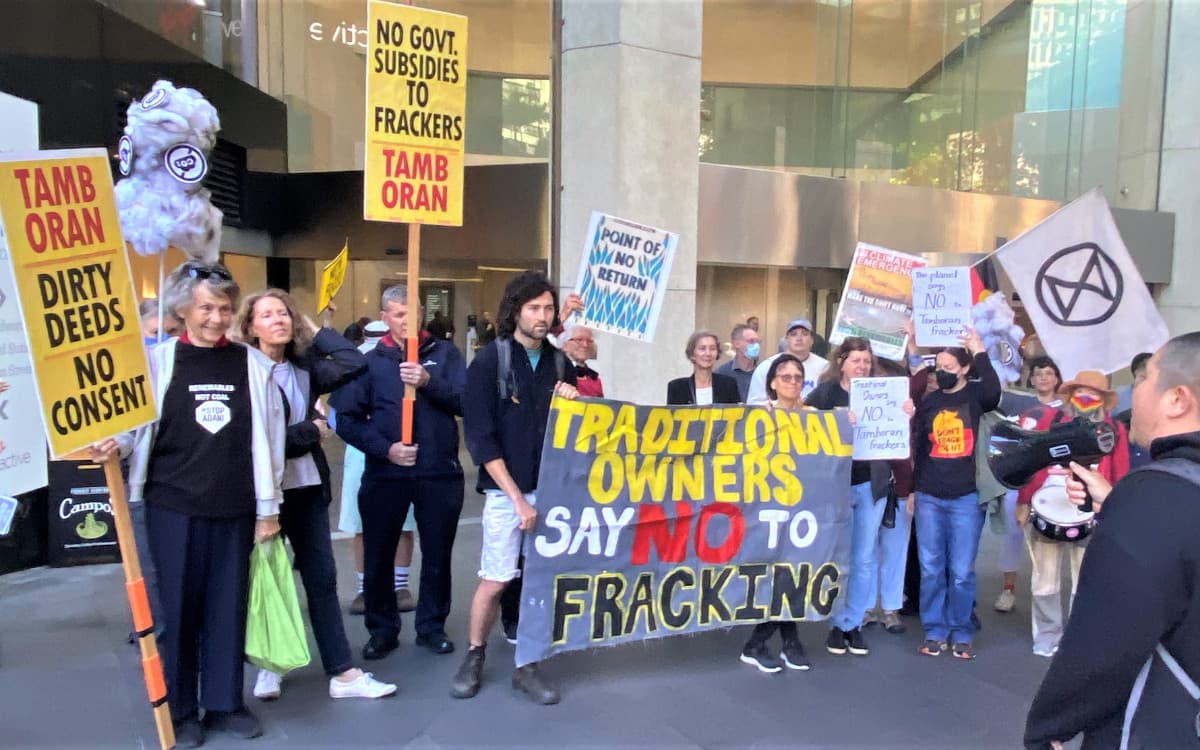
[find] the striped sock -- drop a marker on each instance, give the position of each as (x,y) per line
(400,579)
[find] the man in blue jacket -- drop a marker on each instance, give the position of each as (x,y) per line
(505,423)
(425,475)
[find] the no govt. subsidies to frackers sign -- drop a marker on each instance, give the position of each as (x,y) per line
(655,521)
(72,275)
(416,115)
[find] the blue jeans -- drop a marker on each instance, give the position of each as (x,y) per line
(893,557)
(948,531)
(863,581)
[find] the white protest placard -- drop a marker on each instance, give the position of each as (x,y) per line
(882,428)
(941,304)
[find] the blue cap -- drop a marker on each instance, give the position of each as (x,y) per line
(799,323)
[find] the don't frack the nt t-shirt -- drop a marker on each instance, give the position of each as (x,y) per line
(201,462)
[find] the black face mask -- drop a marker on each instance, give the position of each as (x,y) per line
(946,380)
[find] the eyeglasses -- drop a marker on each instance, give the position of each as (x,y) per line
(201,272)
(790,378)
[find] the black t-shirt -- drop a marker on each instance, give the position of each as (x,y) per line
(830,395)
(201,463)
(945,429)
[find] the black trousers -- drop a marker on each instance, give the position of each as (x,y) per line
(764,630)
(383,504)
(203,586)
(304,519)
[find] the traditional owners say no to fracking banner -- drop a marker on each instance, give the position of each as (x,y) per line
(623,276)
(76,295)
(656,521)
(415,120)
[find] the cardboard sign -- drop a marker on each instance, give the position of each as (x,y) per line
(22,437)
(656,521)
(941,304)
(623,276)
(76,296)
(416,115)
(877,300)
(332,277)
(882,430)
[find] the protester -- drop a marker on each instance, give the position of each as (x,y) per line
(349,521)
(1087,395)
(869,482)
(510,384)
(744,341)
(425,475)
(148,315)
(785,378)
(947,513)
(799,341)
(1139,455)
(487,332)
(1045,380)
(703,387)
(1137,584)
(752,323)
(309,362)
(209,470)
(579,344)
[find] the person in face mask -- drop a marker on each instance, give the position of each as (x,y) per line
(1087,396)
(744,340)
(947,511)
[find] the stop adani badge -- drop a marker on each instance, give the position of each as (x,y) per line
(415,119)
(76,296)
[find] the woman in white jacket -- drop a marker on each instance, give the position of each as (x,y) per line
(209,470)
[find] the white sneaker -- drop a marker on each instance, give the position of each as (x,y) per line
(1046,652)
(1006,601)
(268,686)
(366,686)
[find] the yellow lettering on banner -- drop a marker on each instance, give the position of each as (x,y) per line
(790,432)
(565,412)
(687,478)
(755,468)
(593,430)
(842,448)
(657,432)
(77,304)
(606,478)
(725,479)
(680,445)
(650,478)
(789,490)
(760,432)
(625,428)
(817,435)
(729,444)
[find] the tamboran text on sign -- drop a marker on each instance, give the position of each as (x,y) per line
(654,521)
(76,295)
(415,116)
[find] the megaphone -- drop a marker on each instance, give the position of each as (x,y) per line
(1015,455)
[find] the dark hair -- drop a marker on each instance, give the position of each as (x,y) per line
(962,355)
(890,368)
(523,287)
(1139,362)
(354,333)
(850,344)
(1041,363)
(778,362)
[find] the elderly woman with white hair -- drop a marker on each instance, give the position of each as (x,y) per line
(209,470)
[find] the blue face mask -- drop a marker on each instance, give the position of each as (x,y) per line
(752,350)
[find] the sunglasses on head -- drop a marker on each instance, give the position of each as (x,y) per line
(201,272)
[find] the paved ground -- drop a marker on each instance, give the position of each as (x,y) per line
(69,680)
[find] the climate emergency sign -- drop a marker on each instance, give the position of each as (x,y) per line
(415,119)
(656,521)
(76,295)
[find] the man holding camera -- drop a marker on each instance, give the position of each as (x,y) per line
(1132,645)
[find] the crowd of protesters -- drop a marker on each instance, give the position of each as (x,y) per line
(235,458)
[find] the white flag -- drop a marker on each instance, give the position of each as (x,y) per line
(1087,301)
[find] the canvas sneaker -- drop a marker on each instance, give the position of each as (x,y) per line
(1006,601)
(365,686)
(268,686)
(760,657)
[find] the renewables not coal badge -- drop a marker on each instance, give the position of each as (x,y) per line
(656,521)
(76,294)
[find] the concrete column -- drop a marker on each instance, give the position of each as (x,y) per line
(630,132)
(1178,190)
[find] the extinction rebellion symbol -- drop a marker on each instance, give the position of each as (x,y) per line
(1079,286)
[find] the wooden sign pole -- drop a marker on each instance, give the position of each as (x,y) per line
(415,319)
(139,605)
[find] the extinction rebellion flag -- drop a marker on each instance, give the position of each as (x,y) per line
(656,521)
(1087,301)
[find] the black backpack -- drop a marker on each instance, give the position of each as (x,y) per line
(506,379)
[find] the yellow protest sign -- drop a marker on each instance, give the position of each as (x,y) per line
(332,277)
(416,115)
(76,295)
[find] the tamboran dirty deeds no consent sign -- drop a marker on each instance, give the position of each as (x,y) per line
(76,295)
(415,119)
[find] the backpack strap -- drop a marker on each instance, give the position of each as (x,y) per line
(1179,467)
(560,363)
(504,368)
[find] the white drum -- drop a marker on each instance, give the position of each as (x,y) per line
(1055,517)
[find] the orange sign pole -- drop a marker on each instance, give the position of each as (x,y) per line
(415,319)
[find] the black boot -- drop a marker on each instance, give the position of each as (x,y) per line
(529,681)
(470,674)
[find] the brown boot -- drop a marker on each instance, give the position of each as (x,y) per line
(528,680)
(470,674)
(405,601)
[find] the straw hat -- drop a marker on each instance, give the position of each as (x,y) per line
(1093,379)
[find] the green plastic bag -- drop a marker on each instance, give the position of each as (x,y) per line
(275,637)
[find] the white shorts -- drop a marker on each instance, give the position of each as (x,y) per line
(501,537)
(349,521)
